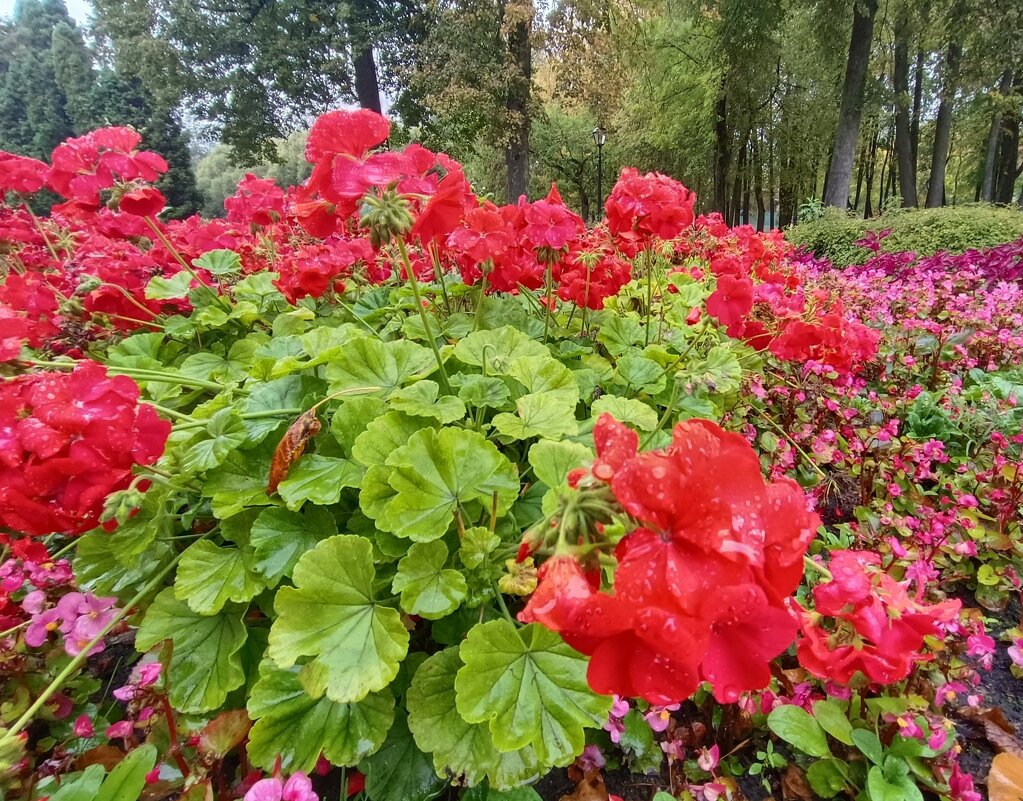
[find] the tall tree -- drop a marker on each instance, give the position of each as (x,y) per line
(943,126)
(851,107)
(43,59)
(903,132)
(518,24)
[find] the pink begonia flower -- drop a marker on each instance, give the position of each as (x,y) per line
(657,717)
(708,758)
(590,759)
(298,787)
(83,727)
(120,729)
(1015,652)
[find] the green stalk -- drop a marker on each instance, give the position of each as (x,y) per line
(244,416)
(185,265)
(73,666)
(549,279)
(483,297)
(649,293)
(140,374)
(414,283)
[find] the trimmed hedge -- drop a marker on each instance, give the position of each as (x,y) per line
(925,231)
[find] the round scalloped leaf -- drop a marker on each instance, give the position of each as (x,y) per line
(331,615)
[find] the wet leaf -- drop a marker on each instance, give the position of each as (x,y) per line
(291,447)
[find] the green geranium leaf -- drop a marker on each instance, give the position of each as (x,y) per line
(497,349)
(280,537)
(382,366)
(219,262)
(81,787)
(282,393)
(438,470)
(626,410)
(291,723)
(798,728)
(640,373)
(319,480)
(210,576)
(530,687)
(460,749)
(541,414)
(548,377)
(177,286)
(482,391)
(478,543)
(330,614)
(422,399)
(224,433)
(239,481)
(427,588)
(617,333)
(552,461)
(720,372)
(384,435)
(399,771)
(205,664)
(207,366)
(97,566)
(352,417)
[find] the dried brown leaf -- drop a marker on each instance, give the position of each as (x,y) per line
(589,786)
(794,786)
(291,447)
(223,733)
(106,755)
(1005,779)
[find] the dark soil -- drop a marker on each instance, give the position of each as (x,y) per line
(1001,690)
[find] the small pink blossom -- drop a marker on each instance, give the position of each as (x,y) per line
(296,788)
(708,758)
(83,727)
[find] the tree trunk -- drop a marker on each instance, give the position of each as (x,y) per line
(868,209)
(918,93)
(943,128)
(859,178)
(987,186)
(758,184)
(735,205)
(367,88)
(903,130)
(722,153)
(1009,148)
(883,183)
(517,105)
(851,108)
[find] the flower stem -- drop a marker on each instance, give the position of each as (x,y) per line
(479,305)
(172,413)
(185,265)
(649,293)
(549,280)
(72,667)
(244,416)
(414,283)
(138,373)
(818,568)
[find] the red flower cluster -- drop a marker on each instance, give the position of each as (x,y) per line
(759,298)
(313,269)
(84,166)
(699,591)
(67,440)
(865,621)
(642,208)
(258,201)
(21,174)
(592,272)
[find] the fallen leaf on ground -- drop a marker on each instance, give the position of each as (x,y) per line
(794,786)
(589,786)
(1005,779)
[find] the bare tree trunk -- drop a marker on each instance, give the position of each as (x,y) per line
(758,183)
(987,186)
(943,128)
(859,178)
(367,88)
(903,130)
(918,92)
(1009,149)
(851,108)
(517,104)
(722,154)
(735,205)
(883,183)
(868,209)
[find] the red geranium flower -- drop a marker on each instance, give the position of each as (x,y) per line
(21,174)
(144,202)
(731,301)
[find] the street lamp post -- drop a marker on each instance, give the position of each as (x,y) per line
(599,137)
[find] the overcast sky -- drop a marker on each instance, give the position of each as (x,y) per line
(79,9)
